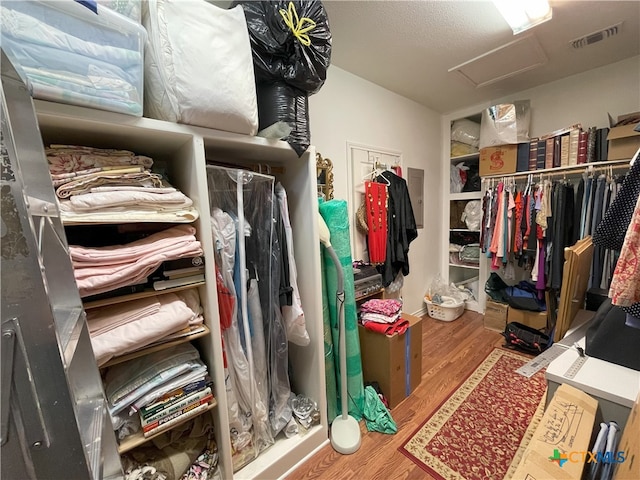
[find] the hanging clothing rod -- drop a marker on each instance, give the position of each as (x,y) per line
(560,171)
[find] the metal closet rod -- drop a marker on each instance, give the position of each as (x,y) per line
(560,171)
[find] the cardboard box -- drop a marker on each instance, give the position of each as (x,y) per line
(537,320)
(395,361)
(563,436)
(498,160)
(630,445)
(624,141)
(495,316)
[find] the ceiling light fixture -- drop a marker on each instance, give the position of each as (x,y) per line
(521,15)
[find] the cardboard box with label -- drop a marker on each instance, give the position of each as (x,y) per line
(495,316)
(537,320)
(498,160)
(630,445)
(623,140)
(394,361)
(559,444)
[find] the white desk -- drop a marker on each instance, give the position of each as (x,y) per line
(615,387)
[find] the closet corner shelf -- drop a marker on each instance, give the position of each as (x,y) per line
(466,196)
(136,296)
(138,439)
(472,267)
(464,230)
(203,331)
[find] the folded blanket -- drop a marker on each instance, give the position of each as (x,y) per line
(102,199)
(124,176)
(72,158)
(119,329)
(125,378)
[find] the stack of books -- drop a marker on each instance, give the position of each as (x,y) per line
(175,407)
(567,147)
(176,273)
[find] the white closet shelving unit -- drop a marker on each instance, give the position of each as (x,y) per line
(453,272)
(183,150)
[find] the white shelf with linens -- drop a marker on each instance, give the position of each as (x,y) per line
(454,230)
(183,151)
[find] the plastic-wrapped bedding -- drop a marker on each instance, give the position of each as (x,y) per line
(291,45)
(198,66)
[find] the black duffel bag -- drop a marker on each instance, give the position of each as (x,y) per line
(525,338)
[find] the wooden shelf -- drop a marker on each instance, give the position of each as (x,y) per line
(469,156)
(465,196)
(369,295)
(188,337)
(463,230)
(138,439)
(137,296)
(472,267)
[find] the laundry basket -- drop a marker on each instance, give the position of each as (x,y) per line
(447,311)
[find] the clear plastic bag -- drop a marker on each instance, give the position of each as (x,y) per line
(438,289)
(472,215)
(458,177)
(504,124)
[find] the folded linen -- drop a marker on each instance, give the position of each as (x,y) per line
(115,332)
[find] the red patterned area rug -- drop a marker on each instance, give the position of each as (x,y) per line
(482,429)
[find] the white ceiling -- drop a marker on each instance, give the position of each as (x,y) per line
(409,46)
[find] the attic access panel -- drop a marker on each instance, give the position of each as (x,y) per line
(518,56)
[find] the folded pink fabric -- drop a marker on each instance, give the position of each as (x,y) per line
(387,307)
(114,254)
(99,270)
(105,319)
(175,313)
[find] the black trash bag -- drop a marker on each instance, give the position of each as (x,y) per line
(495,288)
(474,182)
(609,338)
(278,54)
(278,101)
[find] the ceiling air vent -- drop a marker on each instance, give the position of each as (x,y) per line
(596,36)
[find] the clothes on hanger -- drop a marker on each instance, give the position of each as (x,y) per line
(401,227)
(531,224)
(376,204)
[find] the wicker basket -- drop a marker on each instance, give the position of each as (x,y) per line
(447,311)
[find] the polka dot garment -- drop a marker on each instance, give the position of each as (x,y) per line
(612,230)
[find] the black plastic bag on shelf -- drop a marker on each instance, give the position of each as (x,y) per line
(278,101)
(290,41)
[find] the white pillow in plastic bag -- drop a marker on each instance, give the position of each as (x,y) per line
(199,66)
(466,131)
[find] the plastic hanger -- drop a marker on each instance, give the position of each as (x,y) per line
(375,172)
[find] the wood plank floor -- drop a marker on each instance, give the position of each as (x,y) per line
(450,352)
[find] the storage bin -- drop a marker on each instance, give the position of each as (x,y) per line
(68,53)
(448,310)
(129,8)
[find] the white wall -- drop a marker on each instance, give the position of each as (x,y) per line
(350,109)
(585,98)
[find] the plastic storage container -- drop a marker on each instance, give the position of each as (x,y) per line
(448,310)
(69,53)
(129,8)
